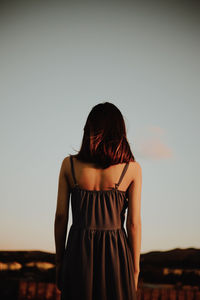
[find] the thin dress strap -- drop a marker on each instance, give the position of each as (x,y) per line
(73,172)
(122,175)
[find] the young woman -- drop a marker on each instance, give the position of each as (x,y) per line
(101,260)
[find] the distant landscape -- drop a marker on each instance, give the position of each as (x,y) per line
(23,272)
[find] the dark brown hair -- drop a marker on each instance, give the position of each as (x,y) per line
(104,140)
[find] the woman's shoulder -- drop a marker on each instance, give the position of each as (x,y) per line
(66,164)
(135,165)
(135,170)
(67,158)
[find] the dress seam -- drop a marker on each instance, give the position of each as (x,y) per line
(97,228)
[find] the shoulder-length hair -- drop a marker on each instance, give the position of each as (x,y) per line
(104,140)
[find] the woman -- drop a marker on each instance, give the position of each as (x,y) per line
(101,260)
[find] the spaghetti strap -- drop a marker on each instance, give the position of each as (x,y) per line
(73,172)
(122,175)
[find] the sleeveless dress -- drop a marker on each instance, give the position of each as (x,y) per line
(97,262)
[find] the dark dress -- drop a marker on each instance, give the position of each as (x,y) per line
(97,263)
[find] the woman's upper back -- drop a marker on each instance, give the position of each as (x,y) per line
(89,177)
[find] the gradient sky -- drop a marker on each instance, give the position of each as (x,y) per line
(59,59)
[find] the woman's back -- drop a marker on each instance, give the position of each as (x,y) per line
(90,177)
(97,257)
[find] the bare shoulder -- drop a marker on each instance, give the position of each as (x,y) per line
(66,164)
(135,164)
(135,169)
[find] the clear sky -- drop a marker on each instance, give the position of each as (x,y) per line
(58,61)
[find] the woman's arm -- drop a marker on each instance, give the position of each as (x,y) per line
(133,222)
(62,212)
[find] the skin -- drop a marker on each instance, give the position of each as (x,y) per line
(92,178)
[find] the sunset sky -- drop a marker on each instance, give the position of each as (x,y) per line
(59,59)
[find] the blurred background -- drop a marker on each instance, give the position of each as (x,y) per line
(60,58)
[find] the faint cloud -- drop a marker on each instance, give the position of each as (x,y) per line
(155,148)
(150,143)
(156,130)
